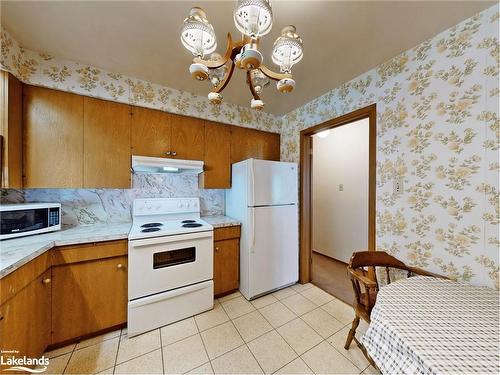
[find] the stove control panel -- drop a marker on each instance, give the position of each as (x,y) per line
(165,206)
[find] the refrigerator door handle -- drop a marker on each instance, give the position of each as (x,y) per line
(252,249)
(252,183)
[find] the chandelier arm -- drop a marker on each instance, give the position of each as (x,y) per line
(273,75)
(252,89)
(222,84)
(231,50)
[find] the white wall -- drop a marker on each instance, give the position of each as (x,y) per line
(340,218)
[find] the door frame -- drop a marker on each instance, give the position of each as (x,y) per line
(305,216)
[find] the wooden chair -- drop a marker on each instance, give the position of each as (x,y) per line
(365,284)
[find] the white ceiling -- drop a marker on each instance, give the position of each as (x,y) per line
(342,39)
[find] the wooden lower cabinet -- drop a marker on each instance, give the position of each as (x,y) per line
(25,319)
(88,297)
(226,260)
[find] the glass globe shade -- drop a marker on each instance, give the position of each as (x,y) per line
(259,80)
(253,18)
(287,49)
(197,34)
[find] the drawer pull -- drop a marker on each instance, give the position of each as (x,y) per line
(168,153)
(119,266)
(174,153)
(46,281)
(217,248)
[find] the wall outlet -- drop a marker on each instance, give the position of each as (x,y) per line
(341,187)
(397,186)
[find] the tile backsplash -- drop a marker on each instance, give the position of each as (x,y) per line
(98,206)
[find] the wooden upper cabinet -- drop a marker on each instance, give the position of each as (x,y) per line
(11,125)
(188,138)
(151,132)
(250,143)
(106,142)
(270,146)
(53,139)
(217,168)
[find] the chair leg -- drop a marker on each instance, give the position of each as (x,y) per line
(352,332)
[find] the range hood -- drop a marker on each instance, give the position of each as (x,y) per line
(148,164)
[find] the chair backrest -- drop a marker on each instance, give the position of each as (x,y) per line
(365,288)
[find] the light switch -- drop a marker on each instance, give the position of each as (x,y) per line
(397,186)
(341,187)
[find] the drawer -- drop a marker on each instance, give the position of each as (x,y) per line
(89,251)
(226,233)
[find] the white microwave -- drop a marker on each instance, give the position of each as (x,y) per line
(24,219)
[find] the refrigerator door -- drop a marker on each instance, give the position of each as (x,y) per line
(271,183)
(273,249)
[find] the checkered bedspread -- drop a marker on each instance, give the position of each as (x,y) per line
(425,325)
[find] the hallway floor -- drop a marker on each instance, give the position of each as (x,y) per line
(331,275)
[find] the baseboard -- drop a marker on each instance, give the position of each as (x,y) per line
(328,256)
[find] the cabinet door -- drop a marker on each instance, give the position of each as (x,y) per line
(270,146)
(251,143)
(88,297)
(11,102)
(151,131)
(53,139)
(106,144)
(217,174)
(188,138)
(226,266)
(25,319)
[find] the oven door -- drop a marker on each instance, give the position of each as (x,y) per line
(164,263)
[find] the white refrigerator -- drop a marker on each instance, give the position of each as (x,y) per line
(263,197)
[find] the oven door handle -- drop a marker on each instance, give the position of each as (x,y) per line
(170,294)
(171,239)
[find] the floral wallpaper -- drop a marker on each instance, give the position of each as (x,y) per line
(438,130)
(42,69)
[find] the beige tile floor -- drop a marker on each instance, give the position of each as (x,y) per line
(297,330)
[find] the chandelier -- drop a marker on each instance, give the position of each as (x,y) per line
(254,19)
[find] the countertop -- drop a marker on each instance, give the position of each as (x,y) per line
(220,221)
(16,252)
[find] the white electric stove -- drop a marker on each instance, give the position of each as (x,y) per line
(170,269)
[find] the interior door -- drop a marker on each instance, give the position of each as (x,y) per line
(274,183)
(274,248)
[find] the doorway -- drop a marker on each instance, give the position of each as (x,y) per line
(337,212)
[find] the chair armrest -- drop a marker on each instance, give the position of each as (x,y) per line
(366,281)
(421,272)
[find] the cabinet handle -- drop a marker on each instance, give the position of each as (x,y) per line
(119,266)
(167,153)
(1,318)
(217,248)
(46,281)
(174,153)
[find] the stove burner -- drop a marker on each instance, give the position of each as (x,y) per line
(188,221)
(192,225)
(153,229)
(151,225)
